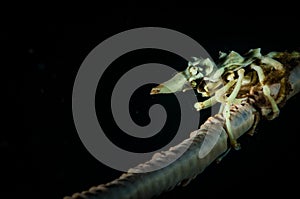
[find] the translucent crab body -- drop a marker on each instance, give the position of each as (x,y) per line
(259,79)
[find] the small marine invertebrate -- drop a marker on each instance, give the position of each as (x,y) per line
(261,80)
(249,88)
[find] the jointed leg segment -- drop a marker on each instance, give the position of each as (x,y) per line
(226,112)
(266,91)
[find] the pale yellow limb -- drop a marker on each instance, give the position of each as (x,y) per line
(272,62)
(259,71)
(216,98)
(226,114)
(237,87)
(226,111)
(266,91)
(221,92)
(205,104)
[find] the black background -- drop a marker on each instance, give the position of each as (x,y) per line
(41,153)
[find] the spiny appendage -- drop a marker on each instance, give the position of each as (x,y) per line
(236,79)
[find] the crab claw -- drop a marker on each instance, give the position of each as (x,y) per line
(178,83)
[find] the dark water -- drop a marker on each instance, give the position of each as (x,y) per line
(42,155)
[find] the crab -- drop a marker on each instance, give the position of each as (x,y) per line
(253,77)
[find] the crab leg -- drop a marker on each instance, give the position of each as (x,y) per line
(226,112)
(214,99)
(266,90)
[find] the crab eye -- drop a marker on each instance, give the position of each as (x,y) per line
(193,70)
